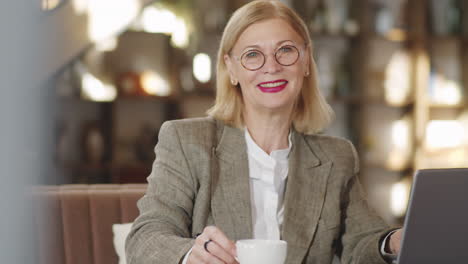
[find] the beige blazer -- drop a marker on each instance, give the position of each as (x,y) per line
(200,177)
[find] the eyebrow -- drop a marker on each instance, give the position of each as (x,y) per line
(277,44)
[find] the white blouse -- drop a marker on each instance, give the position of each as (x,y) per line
(268,175)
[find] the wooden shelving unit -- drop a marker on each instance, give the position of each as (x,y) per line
(366,63)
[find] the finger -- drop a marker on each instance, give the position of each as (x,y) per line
(199,252)
(398,241)
(219,252)
(221,239)
(200,255)
(395,241)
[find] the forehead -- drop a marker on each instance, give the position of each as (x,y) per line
(267,33)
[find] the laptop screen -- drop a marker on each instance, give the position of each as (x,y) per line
(436,223)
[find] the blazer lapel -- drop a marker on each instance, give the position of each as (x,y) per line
(230,187)
(304,197)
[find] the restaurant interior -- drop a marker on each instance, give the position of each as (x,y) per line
(395,73)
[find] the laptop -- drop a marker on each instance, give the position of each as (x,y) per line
(436,223)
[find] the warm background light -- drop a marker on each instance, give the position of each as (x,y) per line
(154,84)
(463,119)
(80,6)
(106,19)
(401,145)
(400,133)
(442,134)
(202,67)
(157,20)
(180,35)
(399,197)
(445,91)
(160,20)
(397,79)
(106,45)
(95,90)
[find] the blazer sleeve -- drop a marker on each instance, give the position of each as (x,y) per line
(362,229)
(161,233)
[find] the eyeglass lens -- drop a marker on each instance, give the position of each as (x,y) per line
(254,59)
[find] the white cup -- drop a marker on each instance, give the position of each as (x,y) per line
(258,251)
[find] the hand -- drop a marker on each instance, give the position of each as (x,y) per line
(395,242)
(220,250)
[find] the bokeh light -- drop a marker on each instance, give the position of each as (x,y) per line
(202,67)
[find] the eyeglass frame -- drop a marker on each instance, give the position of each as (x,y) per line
(265,56)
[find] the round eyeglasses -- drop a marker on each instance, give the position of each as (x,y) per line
(253,60)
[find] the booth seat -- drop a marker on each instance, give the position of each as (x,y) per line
(73,223)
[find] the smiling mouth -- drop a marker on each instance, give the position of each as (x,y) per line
(272,87)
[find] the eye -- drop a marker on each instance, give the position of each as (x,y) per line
(252,54)
(286,49)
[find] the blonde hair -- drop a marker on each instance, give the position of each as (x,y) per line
(311,113)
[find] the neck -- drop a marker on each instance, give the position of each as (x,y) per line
(270,131)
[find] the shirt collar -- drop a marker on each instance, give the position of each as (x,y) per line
(262,157)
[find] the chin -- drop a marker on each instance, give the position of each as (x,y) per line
(277,106)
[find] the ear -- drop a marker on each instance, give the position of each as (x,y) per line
(230,67)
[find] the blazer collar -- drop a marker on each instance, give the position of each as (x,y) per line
(305,194)
(230,185)
(231,145)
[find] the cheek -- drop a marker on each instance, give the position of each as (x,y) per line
(249,78)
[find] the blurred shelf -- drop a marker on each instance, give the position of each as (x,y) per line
(446,38)
(393,39)
(326,36)
(78,99)
(85,166)
(105,165)
(359,100)
(408,170)
(122,98)
(395,36)
(130,173)
(448,106)
(109,172)
(164,99)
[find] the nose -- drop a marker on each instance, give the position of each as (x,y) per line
(271,65)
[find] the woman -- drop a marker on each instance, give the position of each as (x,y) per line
(255,168)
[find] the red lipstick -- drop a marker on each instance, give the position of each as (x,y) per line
(272,86)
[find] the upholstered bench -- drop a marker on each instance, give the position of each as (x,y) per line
(74,222)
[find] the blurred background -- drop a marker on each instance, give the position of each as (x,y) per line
(114,71)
